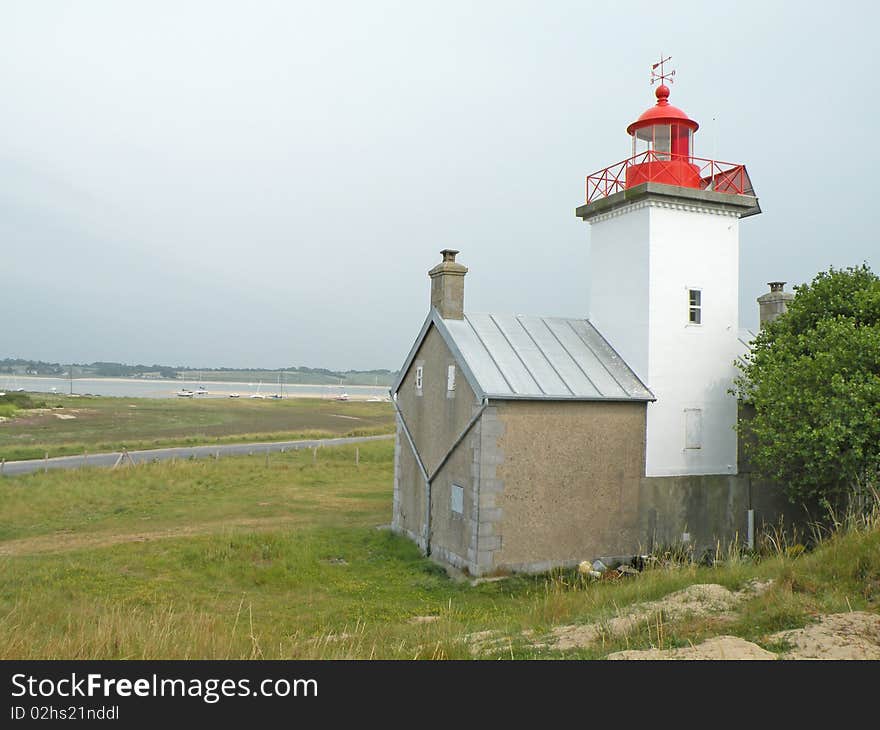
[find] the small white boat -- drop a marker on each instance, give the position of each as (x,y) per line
(234,395)
(342,396)
(201,390)
(184,393)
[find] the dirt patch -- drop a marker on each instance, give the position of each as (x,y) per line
(40,416)
(702,599)
(718,647)
(64,416)
(854,635)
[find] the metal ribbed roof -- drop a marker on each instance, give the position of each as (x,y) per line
(543,358)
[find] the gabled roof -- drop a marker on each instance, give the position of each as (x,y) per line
(505,356)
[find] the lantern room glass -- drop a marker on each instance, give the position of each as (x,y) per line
(665,140)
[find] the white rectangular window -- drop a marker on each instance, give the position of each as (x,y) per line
(419,371)
(450,378)
(693,428)
(695,306)
(457,499)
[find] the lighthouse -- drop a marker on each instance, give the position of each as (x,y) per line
(526,442)
(664,283)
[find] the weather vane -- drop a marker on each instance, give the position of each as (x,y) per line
(663,76)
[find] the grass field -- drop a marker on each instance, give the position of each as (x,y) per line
(233,559)
(71,426)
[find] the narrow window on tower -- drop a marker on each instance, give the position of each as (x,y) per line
(419,371)
(695,306)
(450,379)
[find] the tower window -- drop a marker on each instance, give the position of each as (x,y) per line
(419,371)
(450,378)
(695,306)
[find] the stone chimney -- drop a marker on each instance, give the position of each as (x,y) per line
(774,302)
(447,286)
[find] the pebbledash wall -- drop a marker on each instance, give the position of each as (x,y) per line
(567,478)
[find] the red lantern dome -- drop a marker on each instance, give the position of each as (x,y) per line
(664,135)
(662,112)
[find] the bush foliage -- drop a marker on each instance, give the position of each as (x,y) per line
(813,379)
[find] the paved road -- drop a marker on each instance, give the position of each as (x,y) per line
(13,468)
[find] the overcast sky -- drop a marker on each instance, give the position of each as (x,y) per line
(266,183)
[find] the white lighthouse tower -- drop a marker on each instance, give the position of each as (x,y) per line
(665,283)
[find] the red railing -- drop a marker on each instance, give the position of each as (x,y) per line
(652,166)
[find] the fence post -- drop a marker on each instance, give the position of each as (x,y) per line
(357,455)
(2,465)
(267,457)
(46,463)
(314,454)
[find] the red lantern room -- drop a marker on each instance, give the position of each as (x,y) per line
(663,152)
(663,145)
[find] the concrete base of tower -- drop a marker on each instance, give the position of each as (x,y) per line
(710,511)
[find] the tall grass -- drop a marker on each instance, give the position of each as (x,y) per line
(237,560)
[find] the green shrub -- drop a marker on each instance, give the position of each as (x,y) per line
(21,400)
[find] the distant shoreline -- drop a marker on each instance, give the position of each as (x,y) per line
(181,382)
(113,387)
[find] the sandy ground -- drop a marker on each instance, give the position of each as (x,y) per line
(719,647)
(702,599)
(853,635)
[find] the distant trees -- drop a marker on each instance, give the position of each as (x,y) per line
(813,379)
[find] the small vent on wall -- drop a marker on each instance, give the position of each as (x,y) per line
(457,499)
(693,428)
